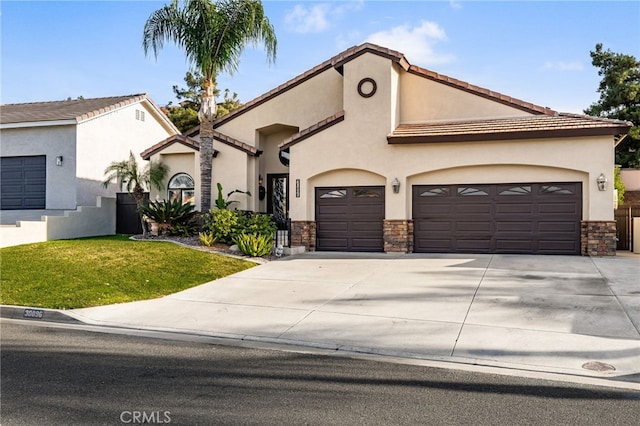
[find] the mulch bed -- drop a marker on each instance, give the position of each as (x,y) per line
(194,243)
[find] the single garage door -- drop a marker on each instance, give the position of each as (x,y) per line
(538,218)
(24,183)
(350,218)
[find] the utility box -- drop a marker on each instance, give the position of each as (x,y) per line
(636,235)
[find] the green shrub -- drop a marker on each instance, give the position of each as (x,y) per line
(223,224)
(257,223)
(171,216)
(254,244)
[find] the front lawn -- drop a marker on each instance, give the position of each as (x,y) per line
(69,274)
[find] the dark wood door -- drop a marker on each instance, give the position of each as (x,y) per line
(350,218)
(538,218)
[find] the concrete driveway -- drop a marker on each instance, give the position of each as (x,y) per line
(560,314)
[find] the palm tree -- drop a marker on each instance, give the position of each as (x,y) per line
(213,36)
(136,179)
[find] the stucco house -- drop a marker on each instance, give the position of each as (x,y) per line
(54,153)
(366,152)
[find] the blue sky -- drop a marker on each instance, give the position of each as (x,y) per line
(537,51)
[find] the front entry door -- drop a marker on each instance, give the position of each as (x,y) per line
(278,198)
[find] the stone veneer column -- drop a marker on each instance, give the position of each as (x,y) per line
(398,236)
(303,233)
(598,238)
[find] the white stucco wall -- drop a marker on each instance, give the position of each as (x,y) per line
(52,142)
(110,137)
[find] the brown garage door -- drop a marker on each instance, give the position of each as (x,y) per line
(23,183)
(539,218)
(349,218)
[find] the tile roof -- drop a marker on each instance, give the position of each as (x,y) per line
(228,140)
(77,109)
(312,130)
(342,58)
(536,126)
(181,139)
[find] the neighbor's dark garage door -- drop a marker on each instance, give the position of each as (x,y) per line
(350,218)
(538,218)
(24,183)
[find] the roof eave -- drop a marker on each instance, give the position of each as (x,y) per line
(512,135)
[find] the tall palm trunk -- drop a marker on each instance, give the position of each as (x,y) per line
(206,115)
(138,195)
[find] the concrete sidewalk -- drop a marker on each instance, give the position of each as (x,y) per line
(558,314)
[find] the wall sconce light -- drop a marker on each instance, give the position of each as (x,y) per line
(262,192)
(59,160)
(602,182)
(395,185)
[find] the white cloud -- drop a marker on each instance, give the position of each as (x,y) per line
(318,18)
(415,42)
(308,20)
(563,66)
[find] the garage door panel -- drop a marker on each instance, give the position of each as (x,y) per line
(366,226)
(565,208)
(514,226)
(473,209)
(552,246)
(350,218)
(508,209)
(23,182)
(555,226)
(514,245)
(463,226)
(436,245)
(434,226)
(473,245)
(499,218)
(434,210)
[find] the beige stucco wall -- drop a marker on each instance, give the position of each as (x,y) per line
(301,107)
(110,137)
(359,143)
(426,100)
(52,142)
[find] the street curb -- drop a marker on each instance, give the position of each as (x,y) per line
(36,314)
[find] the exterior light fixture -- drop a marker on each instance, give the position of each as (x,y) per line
(59,160)
(602,182)
(395,185)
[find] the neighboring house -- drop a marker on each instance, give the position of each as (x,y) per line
(54,153)
(366,152)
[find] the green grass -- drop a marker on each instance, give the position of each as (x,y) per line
(69,274)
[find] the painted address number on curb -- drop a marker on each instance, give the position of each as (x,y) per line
(33,313)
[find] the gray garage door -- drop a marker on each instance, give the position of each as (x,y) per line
(24,183)
(350,218)
(538,218)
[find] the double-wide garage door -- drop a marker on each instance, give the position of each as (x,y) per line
(23,183)
(539,218)
(350,218)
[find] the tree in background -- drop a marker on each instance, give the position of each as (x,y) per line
(619,99)
(185,114)
(213,36)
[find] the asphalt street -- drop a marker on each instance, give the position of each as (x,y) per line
(65,375)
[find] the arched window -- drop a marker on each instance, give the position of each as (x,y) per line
(181,187)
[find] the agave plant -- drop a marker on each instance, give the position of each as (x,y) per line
(169,214)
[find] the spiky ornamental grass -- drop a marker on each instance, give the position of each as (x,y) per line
(69,274)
